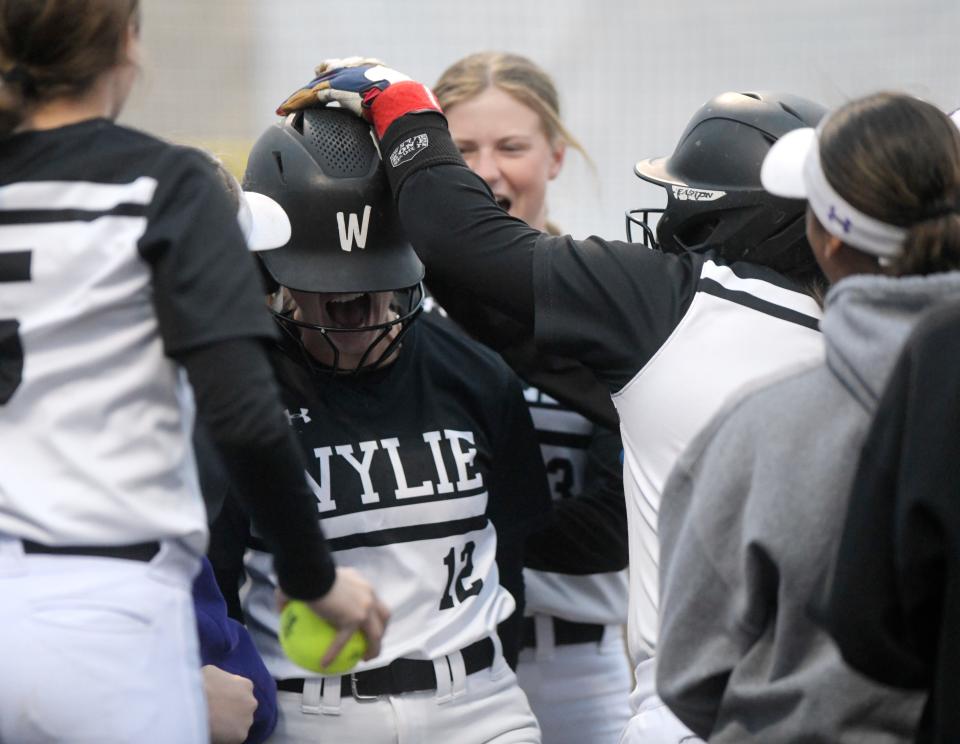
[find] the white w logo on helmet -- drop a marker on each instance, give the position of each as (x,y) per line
(352,230)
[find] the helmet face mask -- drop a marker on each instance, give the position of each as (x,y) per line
(405,307)
(640,219)
(715,201)
(322,166)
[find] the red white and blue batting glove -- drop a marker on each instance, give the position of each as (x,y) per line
(359,84)
(384,97)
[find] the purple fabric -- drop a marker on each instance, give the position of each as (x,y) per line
(225,643)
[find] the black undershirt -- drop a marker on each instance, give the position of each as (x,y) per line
(242,429)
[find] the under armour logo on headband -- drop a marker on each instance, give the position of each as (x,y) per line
(845,223)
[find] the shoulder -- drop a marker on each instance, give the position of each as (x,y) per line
(556,248)
(158,158)
(469,357)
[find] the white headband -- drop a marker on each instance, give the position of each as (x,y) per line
(792,169)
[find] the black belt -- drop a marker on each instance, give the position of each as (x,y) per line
(400,675)
(137,552)
(565,632)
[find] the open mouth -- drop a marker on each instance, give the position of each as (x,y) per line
(350,310)
(503,202)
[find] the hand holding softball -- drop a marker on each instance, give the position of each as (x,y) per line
(350,605)
(305,638)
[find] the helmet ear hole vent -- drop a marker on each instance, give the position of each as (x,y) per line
(278,159)
(790,111)
(297,122)
(697,232)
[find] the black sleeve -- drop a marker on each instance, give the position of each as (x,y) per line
(519,500)
(608,305)
(587,534)
(229,537)
(565,379)
(205,285)
(238,404)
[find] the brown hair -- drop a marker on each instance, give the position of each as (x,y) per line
(517,76)
(897,159)
(57,48)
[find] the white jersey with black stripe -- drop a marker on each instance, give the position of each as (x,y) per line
(97,242)
(674,337)
(735,330)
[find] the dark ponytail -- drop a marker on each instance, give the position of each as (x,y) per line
(56,48)
(897,159)
(932,245)
(12,105)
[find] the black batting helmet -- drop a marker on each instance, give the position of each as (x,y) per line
(322,167)
(715,201)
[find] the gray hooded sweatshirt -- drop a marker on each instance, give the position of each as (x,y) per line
(750,521)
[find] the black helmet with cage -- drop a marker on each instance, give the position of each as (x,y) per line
(715,201)
(322,166)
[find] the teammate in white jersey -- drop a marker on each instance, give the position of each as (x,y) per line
(421,456)
(123,269)
(672,332)
(504,116)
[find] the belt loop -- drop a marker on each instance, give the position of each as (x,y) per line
(11,556)
(175,561)
(441,668)
(546,642)
(458,673)
(310,697)
(330,691)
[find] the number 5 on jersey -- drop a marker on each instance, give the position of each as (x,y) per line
(14,267)
(457,584)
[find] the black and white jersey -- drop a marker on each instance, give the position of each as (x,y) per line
(672,336)
(116,250)
(679,336)
(577,564)
(416,467)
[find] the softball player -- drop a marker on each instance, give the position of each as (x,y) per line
(123,269)
(672,332)
(753,514)
(504,117)
(420,451)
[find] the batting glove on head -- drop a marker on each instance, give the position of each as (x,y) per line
(356,83)
(352,83)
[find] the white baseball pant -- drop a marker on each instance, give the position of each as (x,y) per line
(579,692)
(486,707)
(99,649)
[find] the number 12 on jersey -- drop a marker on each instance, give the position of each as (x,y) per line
(456,581)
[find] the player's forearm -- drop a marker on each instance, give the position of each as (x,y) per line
(238,402)
(463,237)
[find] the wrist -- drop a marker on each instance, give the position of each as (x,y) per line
(400,99)
(306,576)
(412,143)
